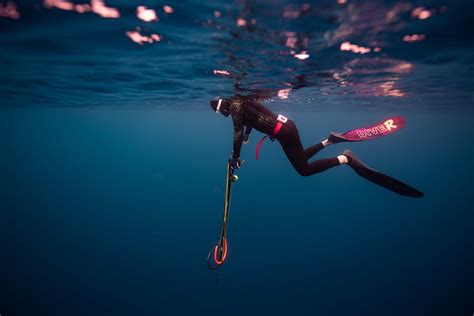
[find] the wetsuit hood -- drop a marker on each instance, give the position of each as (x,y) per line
(221,106)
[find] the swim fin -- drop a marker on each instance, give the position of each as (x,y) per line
(379,178)
(384,128)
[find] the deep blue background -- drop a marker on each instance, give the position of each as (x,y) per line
(113,211)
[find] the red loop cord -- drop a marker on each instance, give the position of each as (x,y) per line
(224,253)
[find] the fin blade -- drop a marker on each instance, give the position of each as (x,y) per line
(389,182)
(381,179)
(386,127)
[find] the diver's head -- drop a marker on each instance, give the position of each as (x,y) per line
(221,106)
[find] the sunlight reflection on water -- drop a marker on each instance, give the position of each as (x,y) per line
(339,47)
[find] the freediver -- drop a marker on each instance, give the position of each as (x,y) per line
(248,113)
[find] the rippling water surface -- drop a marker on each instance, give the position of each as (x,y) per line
(60,52)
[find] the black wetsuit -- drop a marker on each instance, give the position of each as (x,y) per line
(254,115)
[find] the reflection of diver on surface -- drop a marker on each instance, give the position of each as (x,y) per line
(252,114)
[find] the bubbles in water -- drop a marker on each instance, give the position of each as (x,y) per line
(414,38)
(9,10)
(147,15)
(139,38)
(96,6)
(421,13)
(167,9)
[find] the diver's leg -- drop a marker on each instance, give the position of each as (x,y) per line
(291,144)
(298,159)
(313,150)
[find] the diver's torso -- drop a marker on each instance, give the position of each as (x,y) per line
(259,117)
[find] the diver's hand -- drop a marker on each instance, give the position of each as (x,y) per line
(235,163)
(246,139)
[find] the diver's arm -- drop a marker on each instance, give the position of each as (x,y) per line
(248,130)
(236,110)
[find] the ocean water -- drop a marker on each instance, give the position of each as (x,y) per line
(112,166)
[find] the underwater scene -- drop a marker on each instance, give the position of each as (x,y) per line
(124,193)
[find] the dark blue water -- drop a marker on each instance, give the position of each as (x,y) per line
(112,166)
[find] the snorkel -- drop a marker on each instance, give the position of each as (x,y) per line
(219,103)
(221,106)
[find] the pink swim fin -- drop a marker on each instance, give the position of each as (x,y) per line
(384,128)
